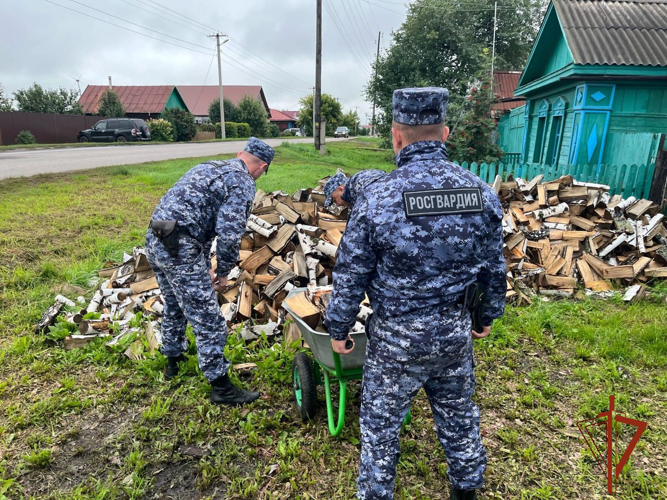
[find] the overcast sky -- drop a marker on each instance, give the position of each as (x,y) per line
(44,43)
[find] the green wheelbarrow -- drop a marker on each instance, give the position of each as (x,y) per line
(327,368)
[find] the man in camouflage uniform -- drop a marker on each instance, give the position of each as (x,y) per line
(417,238)
(343,190)
(212,199)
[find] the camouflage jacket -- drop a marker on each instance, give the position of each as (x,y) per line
(212,199)
(420,263)
(358,182)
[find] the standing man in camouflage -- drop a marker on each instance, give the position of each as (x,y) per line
(416,240)
(212,199)
(343,190)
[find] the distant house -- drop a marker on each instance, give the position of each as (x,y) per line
(139,101)
(199,97)
(284,119)
(595,85)
(504,85)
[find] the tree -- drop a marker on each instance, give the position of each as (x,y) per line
(351,121)
(5,102)
(440,44)
(253,112)
(330,109)
(473,139)
(37,100)
(231,111)
(110,105)
(183,123)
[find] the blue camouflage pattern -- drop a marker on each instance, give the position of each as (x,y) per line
(420,106)
(332,184)
(212,199)
(188,296)
(358,182)
(260,149)
(401,358)
(415,271)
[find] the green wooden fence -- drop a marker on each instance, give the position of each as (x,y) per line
(625,180)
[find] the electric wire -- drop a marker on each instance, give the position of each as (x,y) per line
(193,21)
(128,29)
(338,24)
(136,6)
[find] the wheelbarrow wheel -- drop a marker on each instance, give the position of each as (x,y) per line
(303,383)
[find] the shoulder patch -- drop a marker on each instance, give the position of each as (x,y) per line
(443,202)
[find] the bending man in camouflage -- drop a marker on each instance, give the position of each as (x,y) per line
(343,190)
(212,199)
(416,239)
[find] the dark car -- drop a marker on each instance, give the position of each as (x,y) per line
(116,129)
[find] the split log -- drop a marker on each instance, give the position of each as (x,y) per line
(49,316)
(304,309)
(282,238)
(326,248)
(288,212)
(260,226)
(549,212)
(144,286)
(257,259)
(279,283)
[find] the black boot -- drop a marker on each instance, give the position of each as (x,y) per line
(456,494)
(226,393)
(172,366)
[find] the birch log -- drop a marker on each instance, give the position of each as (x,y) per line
(260,226)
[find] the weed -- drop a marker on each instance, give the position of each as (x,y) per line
(39,459)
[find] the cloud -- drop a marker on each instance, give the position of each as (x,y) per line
(41,42)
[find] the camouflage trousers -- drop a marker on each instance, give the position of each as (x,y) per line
(189,297)
(433,351)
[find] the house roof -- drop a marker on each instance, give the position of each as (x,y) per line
(199,97)
(294,115)
(280,116)
(615,32)
(135,98)
(504,85)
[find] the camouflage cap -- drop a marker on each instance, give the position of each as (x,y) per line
(420,106)
(332,184)
(260,149)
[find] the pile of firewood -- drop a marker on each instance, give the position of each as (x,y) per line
(559,236)
(564,234)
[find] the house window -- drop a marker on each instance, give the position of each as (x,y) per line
(539,138)
(554,140)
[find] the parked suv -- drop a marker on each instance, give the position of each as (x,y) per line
(342,132)
(116,129)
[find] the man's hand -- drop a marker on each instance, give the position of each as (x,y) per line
(484,333)
(343,346)
(219,283)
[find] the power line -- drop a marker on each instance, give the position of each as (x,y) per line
(338,24)
(254,75)
(184,16)
(205,78)
(139,25)
(370,8)
(364,22)
(136,6)
(383,7)
(355,28)
(128,29)
(239,49)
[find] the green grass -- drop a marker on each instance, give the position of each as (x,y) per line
(90,423)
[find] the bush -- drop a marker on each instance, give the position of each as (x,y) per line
(110,105)
(206,127)
(25,137)
(161,130)
(274,131)
(230,130)
(243,130)
(253,113)
(183,123)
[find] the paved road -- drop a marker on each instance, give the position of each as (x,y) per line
(47,161)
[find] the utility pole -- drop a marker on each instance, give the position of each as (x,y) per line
(377,59)
(222,102)
(313,112)
(493,49)
(317,99)
(356,120)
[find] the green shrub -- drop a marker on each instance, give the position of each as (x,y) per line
(25,137)
(206,127)
(230,130)
(243,130)
(287,133)
(161,130)
(274,131)
(183,123)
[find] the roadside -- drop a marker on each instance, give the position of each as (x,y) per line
(90,423)
(68,145)
(48,161)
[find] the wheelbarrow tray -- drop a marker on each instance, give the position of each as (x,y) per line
(320,343)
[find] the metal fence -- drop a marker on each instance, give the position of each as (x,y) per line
(48,128)
(632,180)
